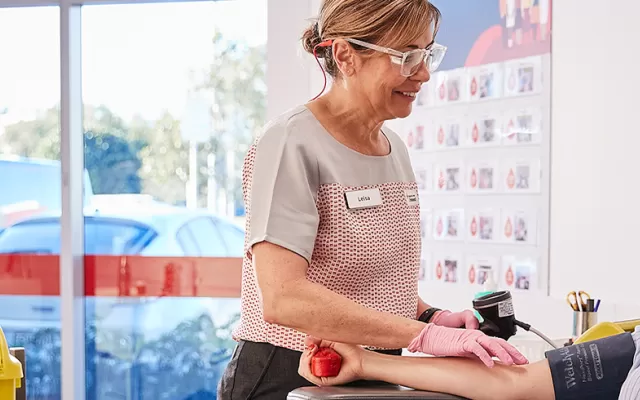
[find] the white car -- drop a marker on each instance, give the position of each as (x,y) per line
(131,342)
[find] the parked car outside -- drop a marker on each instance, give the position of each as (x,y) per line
(29,186)
(136,347)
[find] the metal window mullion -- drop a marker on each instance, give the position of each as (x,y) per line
(72,219)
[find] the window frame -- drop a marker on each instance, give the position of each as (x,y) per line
(72,316)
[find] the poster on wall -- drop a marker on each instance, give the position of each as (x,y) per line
(523,127)
(449,133)
(523,77)
(482,176)
(519,226)
(521,176)
(446,268)
(479,142)
(448,224)
(483,225)
(423,173)
(485,82)
(425,268)
(484,130)
(479,268)
(518,273)
(483,33)
(426,95)
(449,178)
(451,87)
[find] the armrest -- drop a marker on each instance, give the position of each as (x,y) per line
(386,392)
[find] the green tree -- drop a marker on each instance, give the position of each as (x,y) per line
(165,158)
(37,138)
(150,156)
(236,80)
(110,157)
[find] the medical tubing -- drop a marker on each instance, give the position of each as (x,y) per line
(528,327)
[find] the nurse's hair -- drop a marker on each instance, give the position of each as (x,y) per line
(388,23)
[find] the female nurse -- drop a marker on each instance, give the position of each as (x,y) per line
(333,214)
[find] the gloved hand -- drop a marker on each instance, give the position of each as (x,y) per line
(464,319)
(442,341)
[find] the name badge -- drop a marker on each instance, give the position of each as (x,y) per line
(363,198)
(412,197)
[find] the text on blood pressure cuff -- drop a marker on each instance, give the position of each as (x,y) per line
(592,370)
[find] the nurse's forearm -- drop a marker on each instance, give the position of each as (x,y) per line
(462,377)
(320,312)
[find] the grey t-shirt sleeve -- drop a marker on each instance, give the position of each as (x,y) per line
(284,187)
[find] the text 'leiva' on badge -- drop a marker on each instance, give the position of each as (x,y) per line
(357,199)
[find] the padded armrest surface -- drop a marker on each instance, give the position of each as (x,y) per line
(387,392)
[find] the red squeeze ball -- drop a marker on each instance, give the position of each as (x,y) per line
(326,363)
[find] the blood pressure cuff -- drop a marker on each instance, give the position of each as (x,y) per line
(592,370)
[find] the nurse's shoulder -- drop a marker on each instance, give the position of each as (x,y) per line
(296,129)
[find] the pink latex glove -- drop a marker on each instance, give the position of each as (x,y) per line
(463,319)
(442,341)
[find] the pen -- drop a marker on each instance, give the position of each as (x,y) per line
(597,305)
(590,305)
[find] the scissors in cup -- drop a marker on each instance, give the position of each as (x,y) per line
(578,300)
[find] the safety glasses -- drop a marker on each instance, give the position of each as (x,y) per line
(410,61)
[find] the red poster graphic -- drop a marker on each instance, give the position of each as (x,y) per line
(511,179)
(410,139)
(508,228)
(509,276)
(472,274)
(474,227)
(510,129)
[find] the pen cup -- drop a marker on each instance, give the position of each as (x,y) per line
(583,321)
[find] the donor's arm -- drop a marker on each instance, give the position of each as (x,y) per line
(592,370)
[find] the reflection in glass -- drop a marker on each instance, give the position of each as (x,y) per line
(30,184)
(173,97)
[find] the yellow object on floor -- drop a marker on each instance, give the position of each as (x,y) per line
(10,371)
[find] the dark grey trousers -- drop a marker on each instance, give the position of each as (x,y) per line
(261,371)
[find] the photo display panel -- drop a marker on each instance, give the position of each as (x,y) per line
(479,138)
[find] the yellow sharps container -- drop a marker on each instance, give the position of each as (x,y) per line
(10,371)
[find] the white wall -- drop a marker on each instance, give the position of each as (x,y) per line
(288,68)
(595,205)
(595,209)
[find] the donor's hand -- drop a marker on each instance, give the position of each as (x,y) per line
(350,363)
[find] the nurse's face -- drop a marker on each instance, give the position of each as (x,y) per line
(379,80)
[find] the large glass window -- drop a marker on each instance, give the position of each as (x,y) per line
(30,186)
(173,95)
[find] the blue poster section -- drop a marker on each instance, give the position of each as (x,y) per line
(479,32)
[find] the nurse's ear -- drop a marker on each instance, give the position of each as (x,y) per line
(345,57)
